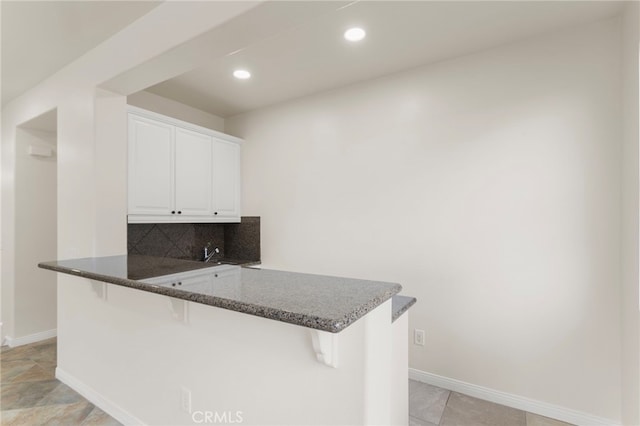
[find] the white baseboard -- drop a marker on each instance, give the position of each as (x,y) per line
(31,338)
(98,400)
(515,401)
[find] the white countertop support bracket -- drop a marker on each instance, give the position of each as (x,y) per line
(325,345)
(178,309)
(100,289)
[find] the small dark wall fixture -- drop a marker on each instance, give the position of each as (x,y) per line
(236,241)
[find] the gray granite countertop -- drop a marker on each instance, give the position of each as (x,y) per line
(400,304)
(315,301)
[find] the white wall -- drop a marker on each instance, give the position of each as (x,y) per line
(36,219)
(630,205)
(488,186)
(110,173)
(161,105)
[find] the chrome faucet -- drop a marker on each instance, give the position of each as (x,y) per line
(207,255)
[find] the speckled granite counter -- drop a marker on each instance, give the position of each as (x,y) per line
(314,301)
(400,304)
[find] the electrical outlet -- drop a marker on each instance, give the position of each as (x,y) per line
(185,399)
(418,337)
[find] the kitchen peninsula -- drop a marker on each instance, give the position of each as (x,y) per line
(166,341)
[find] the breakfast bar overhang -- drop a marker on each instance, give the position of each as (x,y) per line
(164,341)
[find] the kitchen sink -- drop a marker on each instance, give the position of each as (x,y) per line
(222,262)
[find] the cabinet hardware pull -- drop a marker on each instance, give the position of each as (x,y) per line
(173,212)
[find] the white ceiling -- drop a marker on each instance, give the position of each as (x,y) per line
(40,37)
(314,57)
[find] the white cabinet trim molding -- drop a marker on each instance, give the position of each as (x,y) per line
(182,124)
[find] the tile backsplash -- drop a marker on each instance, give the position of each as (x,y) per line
(187,240)
(242,240)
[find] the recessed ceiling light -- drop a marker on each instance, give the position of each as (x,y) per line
(242,74)
(354,34)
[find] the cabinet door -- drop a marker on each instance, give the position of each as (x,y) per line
(193,173)
(226,180)
(150,167)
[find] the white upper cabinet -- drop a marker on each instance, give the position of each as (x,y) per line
(226,179)
(151,188)
(180,172)
(193,173)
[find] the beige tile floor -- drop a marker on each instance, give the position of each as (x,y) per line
(431,406)
(31,395)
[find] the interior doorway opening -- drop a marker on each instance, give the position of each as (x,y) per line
(35,296)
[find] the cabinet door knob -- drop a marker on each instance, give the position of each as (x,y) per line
(173,212)
(179,212)
(215,213)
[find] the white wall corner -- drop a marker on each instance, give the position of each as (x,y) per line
(630,295)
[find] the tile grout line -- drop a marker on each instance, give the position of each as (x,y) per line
(141,238)
(55,399)
(445,407)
